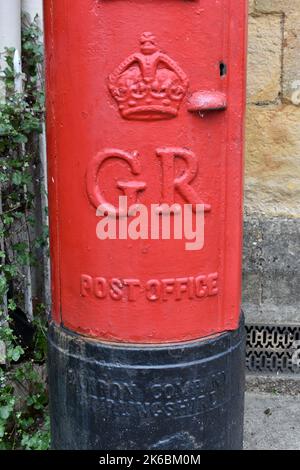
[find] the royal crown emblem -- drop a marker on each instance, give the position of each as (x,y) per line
(148,85)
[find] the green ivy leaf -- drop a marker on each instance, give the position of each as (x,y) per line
(21,118)
(17,178)
(2,429)
(12,305)
(15,353)
(5,412)
(20,139)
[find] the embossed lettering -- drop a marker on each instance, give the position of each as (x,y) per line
(100,287)
(132,291)
(116,289)
(167,288)
(182,183)
(86,285)
(213,284)
(176,398)
(153,290)
(130,189)
(201,286)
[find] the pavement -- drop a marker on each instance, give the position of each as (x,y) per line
(272,421)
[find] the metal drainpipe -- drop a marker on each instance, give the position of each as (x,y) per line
(10,37)
(33,9)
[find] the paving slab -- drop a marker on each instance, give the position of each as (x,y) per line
(272,421)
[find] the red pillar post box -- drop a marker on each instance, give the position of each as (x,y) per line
(145,107)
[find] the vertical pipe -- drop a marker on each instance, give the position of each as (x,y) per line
(10,28)
(33,10)
(19,88)
(10,36)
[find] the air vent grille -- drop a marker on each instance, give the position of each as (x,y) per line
(273,349)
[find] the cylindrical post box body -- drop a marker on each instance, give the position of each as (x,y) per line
(145,106)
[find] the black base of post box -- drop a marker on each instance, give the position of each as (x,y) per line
(184,396)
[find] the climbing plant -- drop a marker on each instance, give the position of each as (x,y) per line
(24,423)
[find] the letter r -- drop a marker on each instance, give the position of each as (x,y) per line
(182,183)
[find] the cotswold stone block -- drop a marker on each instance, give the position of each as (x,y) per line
(291,57)
(272,6)
(264,58)
(251,6)
(290,17)
(272,183)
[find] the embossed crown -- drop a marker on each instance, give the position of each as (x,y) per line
(148,85)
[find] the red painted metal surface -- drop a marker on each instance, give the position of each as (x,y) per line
(119,123)
(204,101)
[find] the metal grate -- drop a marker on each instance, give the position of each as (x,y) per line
(273,348)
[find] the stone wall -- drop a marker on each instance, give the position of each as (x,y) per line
(272,168)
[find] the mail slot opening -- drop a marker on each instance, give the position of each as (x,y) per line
(223,69)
